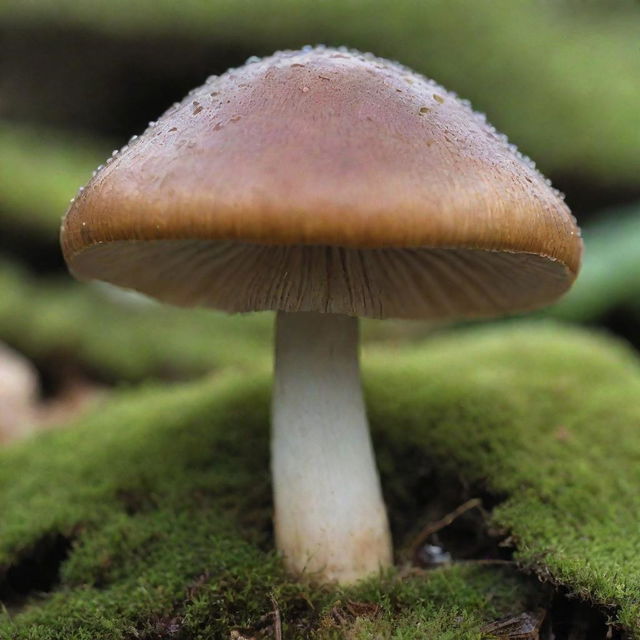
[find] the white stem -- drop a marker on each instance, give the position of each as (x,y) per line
(330,519)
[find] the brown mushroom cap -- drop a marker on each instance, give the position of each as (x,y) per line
(325,180)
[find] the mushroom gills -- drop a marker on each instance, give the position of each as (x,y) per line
(414,282)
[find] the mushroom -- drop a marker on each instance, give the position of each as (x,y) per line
(325,184)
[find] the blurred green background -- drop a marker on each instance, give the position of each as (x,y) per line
(77,79)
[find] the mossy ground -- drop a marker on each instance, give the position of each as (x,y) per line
(163,496)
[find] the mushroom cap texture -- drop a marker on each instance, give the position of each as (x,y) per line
(325,180)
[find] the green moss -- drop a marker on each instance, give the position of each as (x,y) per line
(559,79)
(165,495)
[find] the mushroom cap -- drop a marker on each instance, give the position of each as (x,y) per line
(325,180)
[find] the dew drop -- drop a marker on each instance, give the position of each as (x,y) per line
(305,89)
(438,98)
(424,110)
(173,129)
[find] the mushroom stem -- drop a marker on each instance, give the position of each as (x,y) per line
(330,519)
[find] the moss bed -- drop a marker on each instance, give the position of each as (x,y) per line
(151,517)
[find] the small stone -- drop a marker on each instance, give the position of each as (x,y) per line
(19,390)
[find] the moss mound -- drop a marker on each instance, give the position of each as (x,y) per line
(150,518)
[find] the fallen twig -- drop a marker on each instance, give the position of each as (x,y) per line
(445,521)
(277,622)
